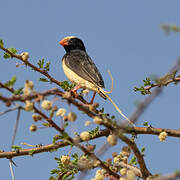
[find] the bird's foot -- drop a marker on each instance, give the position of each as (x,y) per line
(92,100)
(74,91)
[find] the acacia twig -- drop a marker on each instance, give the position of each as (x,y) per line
(145,172)
(27,63)
(147,101)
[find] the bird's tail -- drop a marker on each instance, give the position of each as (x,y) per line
(104,95)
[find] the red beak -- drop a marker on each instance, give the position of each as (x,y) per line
(63,42)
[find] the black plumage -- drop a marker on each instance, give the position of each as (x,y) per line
(77,60)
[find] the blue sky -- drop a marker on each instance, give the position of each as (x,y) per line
(122,36)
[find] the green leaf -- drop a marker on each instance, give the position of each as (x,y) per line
(147,81)
(143,150)
(66,86)
(1,43)
(18,91)
(112,117)
(31,152)
(47,66)
(133,161)
(54,171)
(52,178)
(13,50)
(11,82)
(46,124)
(15,147)
(41,63)
(94,132)
(146,124)
(7,55)
(56,138)
(142,90)
(43,80)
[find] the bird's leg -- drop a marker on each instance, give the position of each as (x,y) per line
(94,94)
(74,90)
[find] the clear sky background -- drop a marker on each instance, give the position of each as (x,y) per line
(122,36)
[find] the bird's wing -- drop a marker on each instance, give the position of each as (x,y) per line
(79,62)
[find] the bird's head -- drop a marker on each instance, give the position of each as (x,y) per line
(71,43)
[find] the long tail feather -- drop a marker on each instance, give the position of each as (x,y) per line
(104,93)
(113,103)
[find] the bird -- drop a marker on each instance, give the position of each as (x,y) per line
(80,69)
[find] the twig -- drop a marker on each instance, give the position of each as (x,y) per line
(75,143)
(9,110)
(99,153)
(16,126)
(145,172)
(13,140)
(47,148)
(105,132)
(174,80)
(146,102)
(6,87)
(32,66)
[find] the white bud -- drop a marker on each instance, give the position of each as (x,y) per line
(85,136)
(162,136)
(123,171)
(28,106)
(46,104)
(26,91)
(97,120)
(112,140)
(61,112)
(29,84)
(33,128)
(72,116)
(131,175)
(25,56)
(87,123)
(65,159)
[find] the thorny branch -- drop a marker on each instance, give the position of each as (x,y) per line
(111,128)
(147,101)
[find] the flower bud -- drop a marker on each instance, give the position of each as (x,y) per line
(162,136)
(87,123)
(61,112)
(65,159)
(25,56)
(46,104)
(72,116)
(36,117)
(33,128)
(29,84)
(97,120)
(123,171)
(28,106)
(26,91)
(112,140)
(85,136)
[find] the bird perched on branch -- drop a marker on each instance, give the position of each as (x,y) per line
(81,70)
(79,67)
